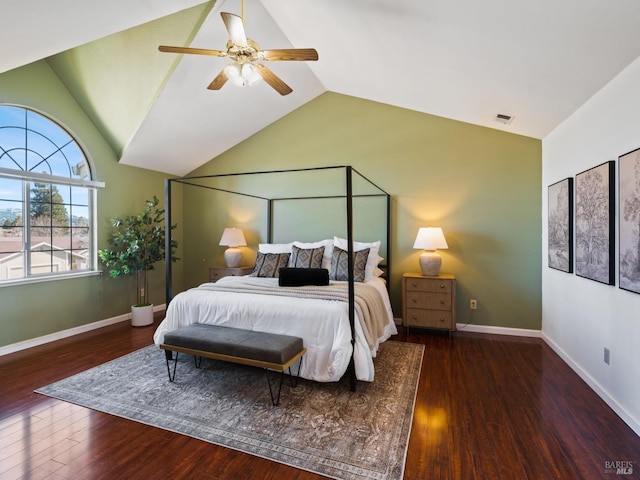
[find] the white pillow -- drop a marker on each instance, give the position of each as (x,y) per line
(372,260)
(328,250)
(378,272)
(275,247)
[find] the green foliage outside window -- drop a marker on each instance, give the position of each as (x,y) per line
(46,198)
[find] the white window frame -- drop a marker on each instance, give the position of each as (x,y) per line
(27,178)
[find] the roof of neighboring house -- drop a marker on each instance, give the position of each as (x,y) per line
(12,246)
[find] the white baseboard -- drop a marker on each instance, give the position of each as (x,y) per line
(595,386)
(516,332)
(34,342)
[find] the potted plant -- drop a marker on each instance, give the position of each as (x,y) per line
(138,243)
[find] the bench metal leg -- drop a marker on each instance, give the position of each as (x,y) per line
(169,356)
(274,400)
(294,382)
(197,361)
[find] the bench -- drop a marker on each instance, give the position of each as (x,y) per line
(258,349)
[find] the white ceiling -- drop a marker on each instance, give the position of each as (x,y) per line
(465,60)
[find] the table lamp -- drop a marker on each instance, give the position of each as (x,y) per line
(233,238)
(429,239)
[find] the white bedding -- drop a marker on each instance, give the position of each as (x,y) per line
(322,324)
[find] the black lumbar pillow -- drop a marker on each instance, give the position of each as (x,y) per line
(298,277)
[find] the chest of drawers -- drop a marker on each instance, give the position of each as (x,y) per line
(429,302)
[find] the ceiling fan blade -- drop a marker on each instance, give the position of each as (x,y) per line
(197,51)
(301,54)
(219,81)
(273,80)
(235,28)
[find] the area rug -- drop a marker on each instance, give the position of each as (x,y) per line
(320,427)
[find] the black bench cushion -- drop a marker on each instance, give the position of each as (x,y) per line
(266,347)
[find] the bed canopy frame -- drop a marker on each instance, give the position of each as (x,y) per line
(348,175)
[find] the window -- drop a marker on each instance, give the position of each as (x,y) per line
(47,200)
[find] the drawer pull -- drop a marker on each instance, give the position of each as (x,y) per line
(442,285)
(441,320)
(414,284)
(414,299)
(415,317)
(441,302)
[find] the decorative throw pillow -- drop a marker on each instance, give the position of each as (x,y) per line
(340,264)
(269,264)
(372,260)
(328,249)
(306,257)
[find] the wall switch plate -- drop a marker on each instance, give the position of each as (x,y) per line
(473,304)
(607,355)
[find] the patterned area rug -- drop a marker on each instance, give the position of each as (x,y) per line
(320,427)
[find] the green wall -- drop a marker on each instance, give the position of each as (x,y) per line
(33,310)
(481,185)
(96,72)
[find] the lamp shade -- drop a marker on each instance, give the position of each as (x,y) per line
(233,237)
(430,238)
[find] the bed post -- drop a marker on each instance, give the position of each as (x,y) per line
(269,221)
(352,301)
(167,242)
(388,242)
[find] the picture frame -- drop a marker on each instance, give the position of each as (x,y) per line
(560,226)
(629,225)
(594,223)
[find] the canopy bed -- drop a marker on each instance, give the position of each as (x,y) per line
(342,321)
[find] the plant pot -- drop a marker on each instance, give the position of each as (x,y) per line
(141,316)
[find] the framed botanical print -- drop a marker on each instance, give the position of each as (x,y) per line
(629,234)
(560,226)
(595,226)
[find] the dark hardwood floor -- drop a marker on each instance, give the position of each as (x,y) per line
(488,407)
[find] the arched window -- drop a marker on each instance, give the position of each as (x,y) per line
(47,200)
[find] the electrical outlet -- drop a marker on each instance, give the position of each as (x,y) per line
(607,355)
(473,304)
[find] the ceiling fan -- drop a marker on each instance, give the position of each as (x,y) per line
(246,55)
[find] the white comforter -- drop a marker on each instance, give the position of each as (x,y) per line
(322,324)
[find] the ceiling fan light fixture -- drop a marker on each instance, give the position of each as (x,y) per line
(242,74)
(232,70)
(250,74)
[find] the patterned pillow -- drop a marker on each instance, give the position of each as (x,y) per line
(306,257)
(372,261)
(268,264)
(340,264)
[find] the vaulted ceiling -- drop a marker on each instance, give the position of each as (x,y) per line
(465,60)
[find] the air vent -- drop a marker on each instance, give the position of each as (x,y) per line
(502,118)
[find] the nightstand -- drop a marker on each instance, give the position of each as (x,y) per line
(216,273)
(429,302)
